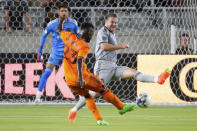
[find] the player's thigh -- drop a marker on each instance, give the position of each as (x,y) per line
(105,74)
(93,83)
(55,60)
(124,72)
(80,91)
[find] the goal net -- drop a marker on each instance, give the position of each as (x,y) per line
(152,28)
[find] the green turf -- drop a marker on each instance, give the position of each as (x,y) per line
(53,118)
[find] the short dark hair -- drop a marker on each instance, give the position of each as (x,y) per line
(64,6)
(86,25)
(110,15)
(184,35)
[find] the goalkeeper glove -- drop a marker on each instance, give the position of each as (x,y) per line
(39,55)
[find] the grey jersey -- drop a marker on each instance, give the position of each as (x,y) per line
(105,36)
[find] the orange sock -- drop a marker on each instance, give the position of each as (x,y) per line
(92,107)
(112,98)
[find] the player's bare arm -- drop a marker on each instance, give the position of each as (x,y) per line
(81,82)
(110,47)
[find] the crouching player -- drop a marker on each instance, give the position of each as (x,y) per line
(80,79)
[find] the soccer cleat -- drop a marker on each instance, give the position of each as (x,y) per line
(71,116)
(37,102)
(163,76)
(102,123)
(127,108)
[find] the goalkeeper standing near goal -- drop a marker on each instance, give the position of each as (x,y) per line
(57,51)
(106,58)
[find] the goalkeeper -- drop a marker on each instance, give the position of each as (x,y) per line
(106,58)
(57,51)
(79,78)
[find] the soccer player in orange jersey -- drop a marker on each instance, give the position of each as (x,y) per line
(80,79)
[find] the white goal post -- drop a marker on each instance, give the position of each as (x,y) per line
(173,39)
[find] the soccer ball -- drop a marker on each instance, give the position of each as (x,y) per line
(143,100)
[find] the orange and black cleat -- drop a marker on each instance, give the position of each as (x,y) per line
(163,76)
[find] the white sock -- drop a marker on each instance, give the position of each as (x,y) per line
(145,78)
(74,109)
(38,95)
(79,104)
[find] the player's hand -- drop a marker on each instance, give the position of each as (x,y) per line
(124,45)
(81,82)
(39,55)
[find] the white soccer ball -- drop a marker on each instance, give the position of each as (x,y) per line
(143,100)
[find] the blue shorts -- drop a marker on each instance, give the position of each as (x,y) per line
(55,60)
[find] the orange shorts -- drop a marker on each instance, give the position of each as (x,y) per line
(92,83)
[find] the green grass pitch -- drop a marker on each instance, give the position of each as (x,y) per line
(53,118)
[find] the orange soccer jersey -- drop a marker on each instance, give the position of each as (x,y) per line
(75,47)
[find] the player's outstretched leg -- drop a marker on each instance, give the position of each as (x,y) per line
(112,98)
(42,84)
(128,73)
(73,112)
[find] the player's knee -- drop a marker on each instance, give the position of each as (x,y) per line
(129,73)
(94,94)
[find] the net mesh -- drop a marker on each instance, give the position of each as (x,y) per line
(144,24)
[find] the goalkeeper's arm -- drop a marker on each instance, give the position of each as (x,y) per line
(42,42)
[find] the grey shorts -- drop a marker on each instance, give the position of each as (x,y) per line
(107,70)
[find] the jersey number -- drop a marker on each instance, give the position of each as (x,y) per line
(70,55)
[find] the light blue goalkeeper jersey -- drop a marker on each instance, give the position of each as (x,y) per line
(58,44)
